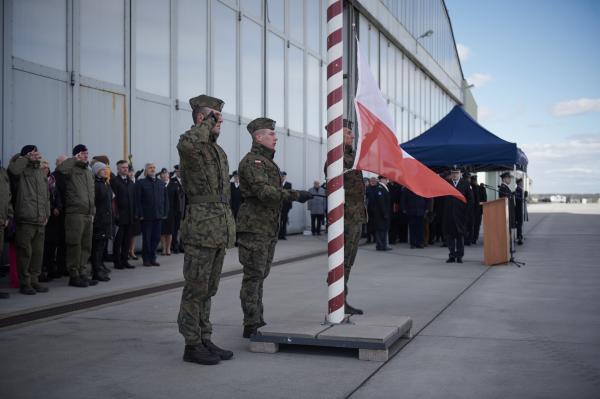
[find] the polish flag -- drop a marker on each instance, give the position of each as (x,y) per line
(378,150)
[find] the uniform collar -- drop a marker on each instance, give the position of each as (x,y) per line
(260,149)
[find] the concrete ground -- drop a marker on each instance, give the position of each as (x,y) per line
(530,332)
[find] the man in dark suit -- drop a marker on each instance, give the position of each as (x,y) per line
(519,210)
(176,206)
(478,198)
(414,206)
(504,191)
(152,206)
(383,214)
(124,190)
(236,194)
(285,208)
(454,223)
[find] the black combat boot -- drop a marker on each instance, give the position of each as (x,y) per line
(351,310)
(223,354)
(39,288)
(450,260)
(199,354)
(250,331)
(27,290)
(458,260)
(77,282)
(90,282)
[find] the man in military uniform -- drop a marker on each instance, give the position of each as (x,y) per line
(454,223)
(32,210)
(6,212)
(504,191)
(259,218)
(355,213)
(80,209)
(208,227)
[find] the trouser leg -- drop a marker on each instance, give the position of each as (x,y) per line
(255,255)
(86,245)
(73,238)
(23,240)
(202,270)
(351,241)
(154,239)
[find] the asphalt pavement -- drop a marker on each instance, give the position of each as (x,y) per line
(479,332)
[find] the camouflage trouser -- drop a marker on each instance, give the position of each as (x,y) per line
(256,255)
(78,239)
(202,272)
(29,240)
(351,240)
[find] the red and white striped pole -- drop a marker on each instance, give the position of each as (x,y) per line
(335,163)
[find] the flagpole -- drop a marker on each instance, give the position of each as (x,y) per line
(335,163)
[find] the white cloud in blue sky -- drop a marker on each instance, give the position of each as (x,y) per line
(544,58)
(576,107)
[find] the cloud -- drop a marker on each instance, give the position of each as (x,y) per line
(479,79)
(569,166)
(576,107)
(464,52)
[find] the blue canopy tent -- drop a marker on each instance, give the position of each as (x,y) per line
(457,139)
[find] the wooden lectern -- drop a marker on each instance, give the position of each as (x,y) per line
(496,235)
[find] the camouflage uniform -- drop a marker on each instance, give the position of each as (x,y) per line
(258,221)
(6,209)
(208,227)
(80,208)
(32,210)
(354,211)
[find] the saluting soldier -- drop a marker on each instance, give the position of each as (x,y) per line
(207,229)
(259,218)
(355,211)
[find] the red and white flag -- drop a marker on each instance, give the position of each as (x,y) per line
(378,149)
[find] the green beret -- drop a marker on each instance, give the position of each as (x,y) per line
(261,123)
(207,101)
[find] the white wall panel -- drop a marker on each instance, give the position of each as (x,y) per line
(39,115)
(150,139)
(294,163)
(102,124)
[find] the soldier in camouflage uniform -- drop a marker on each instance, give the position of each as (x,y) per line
(207,229)
(259,218)
(6,211)
(32,210)
(355,213)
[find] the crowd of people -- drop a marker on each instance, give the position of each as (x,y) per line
(58,221)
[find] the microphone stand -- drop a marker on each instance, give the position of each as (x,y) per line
(510,229)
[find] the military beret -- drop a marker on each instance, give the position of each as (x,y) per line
(505,174)
(79,148)
(261,123)
(176,167)
(207,101)
(348,123)
(27,149)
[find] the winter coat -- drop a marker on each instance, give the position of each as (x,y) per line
(124,191)
(31,198)
(151,198)
(79,187)
(103,201)
(317,205)
(455,211)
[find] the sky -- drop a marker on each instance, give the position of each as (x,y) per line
(535,65)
